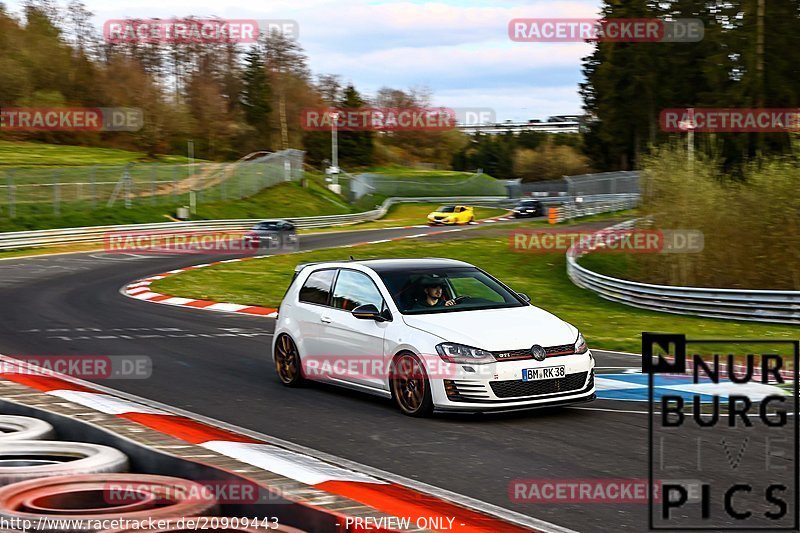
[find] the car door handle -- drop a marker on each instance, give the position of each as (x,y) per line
(325,319)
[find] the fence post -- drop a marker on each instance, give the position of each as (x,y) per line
(175,171)
(56,195)
(127,185)
(222,185)
(153,177)
(93,181)
(12,209)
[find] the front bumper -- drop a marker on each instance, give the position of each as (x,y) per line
(434,222)
(499,386)
(272,241)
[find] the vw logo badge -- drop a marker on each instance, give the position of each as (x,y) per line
(538,352)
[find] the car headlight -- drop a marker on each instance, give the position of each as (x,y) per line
(580,345)
(458,353)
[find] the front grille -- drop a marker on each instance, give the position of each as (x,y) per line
(515,387)
(560,350)
(525,353)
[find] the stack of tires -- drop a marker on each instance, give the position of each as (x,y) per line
(53,485)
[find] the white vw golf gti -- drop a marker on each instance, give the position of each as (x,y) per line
(429,333)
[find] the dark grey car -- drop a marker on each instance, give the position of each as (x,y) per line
(273,235)
(528,208)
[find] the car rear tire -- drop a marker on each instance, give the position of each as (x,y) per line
(411,389)
(287,362)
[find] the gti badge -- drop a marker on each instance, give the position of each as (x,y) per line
(538,352)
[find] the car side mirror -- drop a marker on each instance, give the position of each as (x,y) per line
(524,297)
(368,312)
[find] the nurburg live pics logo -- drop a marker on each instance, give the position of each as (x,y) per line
(728,423)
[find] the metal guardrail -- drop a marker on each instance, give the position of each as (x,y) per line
(733,304)
(97,234)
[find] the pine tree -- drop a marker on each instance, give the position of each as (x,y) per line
(355,147)
(255,99)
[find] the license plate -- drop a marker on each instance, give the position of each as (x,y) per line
(548,372)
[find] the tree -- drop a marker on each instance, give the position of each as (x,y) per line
(255,99)
(286,62)
(355,147)
(329,87)
(748,57)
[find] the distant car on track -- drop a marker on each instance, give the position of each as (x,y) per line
(528,208)
(272,234)
(430,334)
(451,214)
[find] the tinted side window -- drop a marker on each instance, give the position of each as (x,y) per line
(317,287)
(354,289)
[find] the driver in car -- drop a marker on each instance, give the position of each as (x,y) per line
(433,288)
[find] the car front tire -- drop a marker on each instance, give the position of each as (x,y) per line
(411,389)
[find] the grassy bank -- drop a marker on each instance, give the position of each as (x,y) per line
(605,324)
(408,215)
(283,200)
(29,154)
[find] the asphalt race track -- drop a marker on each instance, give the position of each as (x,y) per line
(216,365)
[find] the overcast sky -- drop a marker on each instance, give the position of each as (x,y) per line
(459,49)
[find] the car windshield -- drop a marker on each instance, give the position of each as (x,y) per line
(417,292)
(446,209)
(268,226)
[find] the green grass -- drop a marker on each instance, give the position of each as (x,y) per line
(14,153)
(615,265)
(402,181)
(606,325)
(283,200)
(414,173)
(409,215)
